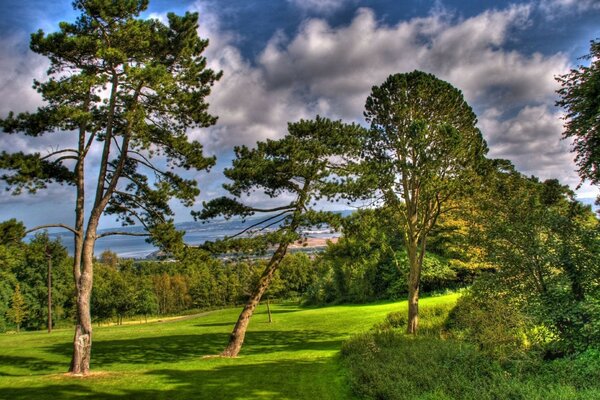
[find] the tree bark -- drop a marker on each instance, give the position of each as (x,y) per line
(82,342)
(414,275)
(236,339)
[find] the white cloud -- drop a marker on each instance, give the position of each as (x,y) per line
(555,7)
(18,68)
(320,6)
(340,65)
(330,71)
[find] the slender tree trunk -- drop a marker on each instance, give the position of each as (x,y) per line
(236,339)
(413,287)
(49,254)
(269,311)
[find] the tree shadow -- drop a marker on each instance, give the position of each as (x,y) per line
(209,324)
(177,348)
(238,381)
(28,364)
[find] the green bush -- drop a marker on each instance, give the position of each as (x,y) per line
(494,325)
(432,319)
(385,363)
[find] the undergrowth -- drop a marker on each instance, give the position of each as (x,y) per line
(386,363)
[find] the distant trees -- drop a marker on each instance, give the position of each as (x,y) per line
(300,166)
(580,97)
(132,88)
(421,152)
(26,264)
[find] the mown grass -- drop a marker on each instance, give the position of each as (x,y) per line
(385,363)
(295,357)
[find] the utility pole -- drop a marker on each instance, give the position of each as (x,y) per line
(49,255)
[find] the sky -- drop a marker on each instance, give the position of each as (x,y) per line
(283,60)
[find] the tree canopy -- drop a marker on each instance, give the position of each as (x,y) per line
(422,151)
(580,97)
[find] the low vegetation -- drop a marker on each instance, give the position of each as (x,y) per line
(386,363)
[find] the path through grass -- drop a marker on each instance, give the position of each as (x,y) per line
(295,357)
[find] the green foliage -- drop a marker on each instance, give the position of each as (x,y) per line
(299,165)
(385,363)
(365,263)
(433,320)
(12,232)
(580,97)
(496,326)
(545,247)
(114,78)
(18,309)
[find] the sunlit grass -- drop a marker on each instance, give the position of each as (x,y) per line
(294,357)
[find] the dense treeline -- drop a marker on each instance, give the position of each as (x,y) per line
(364,265)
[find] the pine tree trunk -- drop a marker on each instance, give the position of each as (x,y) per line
(236,339)
(82,342)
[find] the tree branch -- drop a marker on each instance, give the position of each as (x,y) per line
(121,233)
(261,222)
(59,152)
(67,227)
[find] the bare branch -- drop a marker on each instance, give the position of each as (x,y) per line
(60,152)
(261,222)
(67,227)
(123,233)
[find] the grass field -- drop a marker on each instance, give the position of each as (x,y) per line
(294,357)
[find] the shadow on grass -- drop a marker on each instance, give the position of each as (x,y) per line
(284,379)
(177,348)
(29,364)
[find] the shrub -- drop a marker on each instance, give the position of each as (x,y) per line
(497,327)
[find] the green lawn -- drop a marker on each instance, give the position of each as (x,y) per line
(295,357)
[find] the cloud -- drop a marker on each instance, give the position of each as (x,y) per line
(329,71)
(555,8)
(320,6)
(18,68)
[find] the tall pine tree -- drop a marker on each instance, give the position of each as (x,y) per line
(127,90)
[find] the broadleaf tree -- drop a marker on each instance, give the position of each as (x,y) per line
(421,153)
(127,89)
(580,97)
(302,166)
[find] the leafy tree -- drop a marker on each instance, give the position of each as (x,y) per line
(18,308)
(421,152)
(145,302)
(132,88)
(298,166)
(11,256)
(580,97)
(32,273)
(545,247)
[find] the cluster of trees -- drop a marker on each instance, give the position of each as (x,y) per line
(133,87)
(25,269)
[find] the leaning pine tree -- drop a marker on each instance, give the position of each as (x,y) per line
(303,165)
(127,90)
(421,154)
